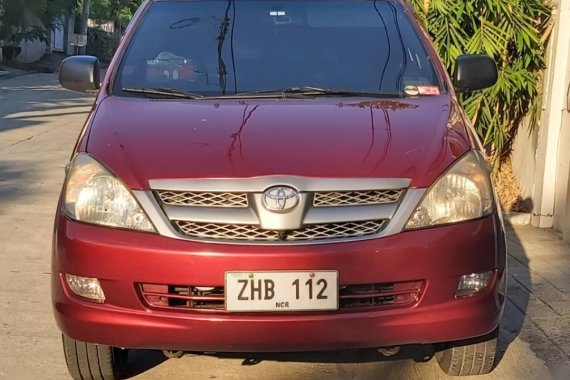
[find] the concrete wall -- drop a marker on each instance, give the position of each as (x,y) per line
(541,156)
(31,51)
(562,201)
(561,110)
(524,158)
(564,216)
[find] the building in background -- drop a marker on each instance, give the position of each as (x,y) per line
(62,39)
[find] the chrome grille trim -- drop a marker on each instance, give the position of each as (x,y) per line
(259,184)
(356,198)
(215,231)
(321,215)
(164,216)
(314,232)
(203,199)
(212,215)
(336,230)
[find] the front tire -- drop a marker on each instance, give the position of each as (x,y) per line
(88,361)
(469,358)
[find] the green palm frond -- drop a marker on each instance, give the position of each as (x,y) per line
(513,32)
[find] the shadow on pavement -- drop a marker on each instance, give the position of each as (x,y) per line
(417,353)
(28,104)
(141,361)
(18,109)
(519,288)
(10,179)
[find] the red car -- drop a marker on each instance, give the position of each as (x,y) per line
(269,176)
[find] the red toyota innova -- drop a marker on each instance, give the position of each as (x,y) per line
(277,176)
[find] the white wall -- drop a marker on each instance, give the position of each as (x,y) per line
(561,121)
(31,51)
(541,157)
(562,201)
(58,35)
(524,158)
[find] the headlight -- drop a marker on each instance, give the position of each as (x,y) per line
(463,193)
(94,195)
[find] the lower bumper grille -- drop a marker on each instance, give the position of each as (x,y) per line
(183,297)
(373,295)
(312,232)
(352,297)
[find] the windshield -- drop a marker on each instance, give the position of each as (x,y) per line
(222,48)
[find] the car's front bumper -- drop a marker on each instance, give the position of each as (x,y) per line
(120,259)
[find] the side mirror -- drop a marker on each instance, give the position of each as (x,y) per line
(475,72)
(80,73)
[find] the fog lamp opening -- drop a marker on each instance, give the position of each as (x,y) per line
(85,287)
(472,284)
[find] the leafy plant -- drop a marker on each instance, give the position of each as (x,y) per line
(514,33)
(101,44)
(118,11)
(30,19)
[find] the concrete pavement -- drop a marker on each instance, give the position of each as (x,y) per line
(39,124)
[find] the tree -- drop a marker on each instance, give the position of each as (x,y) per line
(30,19)
(514,33)
(118,11)
(84,22)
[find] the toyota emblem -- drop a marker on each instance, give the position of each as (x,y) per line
(280,198)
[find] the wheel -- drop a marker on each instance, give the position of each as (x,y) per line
(469,358)
(88,361)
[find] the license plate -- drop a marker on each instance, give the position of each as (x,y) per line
(281,291)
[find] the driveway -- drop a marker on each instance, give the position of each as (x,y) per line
(39,123)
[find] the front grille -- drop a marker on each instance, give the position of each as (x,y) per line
(202,199)
(352,297)
(310,232)
(356,198)
(235,211)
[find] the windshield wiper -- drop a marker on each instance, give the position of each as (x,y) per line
(301,92)
(293,92)
(164,91)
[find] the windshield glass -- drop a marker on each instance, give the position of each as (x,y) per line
(217,48)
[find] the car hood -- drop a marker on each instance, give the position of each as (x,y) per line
(143,139)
